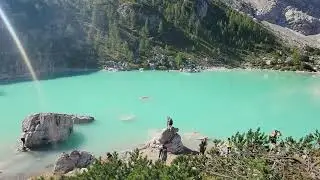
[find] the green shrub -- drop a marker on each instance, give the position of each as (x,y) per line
(250,158)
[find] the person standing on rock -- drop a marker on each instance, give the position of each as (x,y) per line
(109,156)
(169,122)
(163,154)
(203,146)
(273,138)
(228,144)
(23,140)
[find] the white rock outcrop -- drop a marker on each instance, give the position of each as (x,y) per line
(46,128)
(302,16)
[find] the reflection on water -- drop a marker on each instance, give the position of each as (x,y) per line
(74,142)
(315,90)
(130,117)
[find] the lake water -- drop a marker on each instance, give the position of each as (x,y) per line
(216,104)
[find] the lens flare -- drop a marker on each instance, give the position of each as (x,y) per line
(18,44)
(24,57)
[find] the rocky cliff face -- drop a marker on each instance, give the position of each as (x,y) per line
(50,33)
(302,16)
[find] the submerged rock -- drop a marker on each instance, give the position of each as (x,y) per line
(75,160)
(46,128)
(77,119)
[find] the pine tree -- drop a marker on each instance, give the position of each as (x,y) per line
(296,57)
(160,29)
(145,29)
(142,45)
(178,60)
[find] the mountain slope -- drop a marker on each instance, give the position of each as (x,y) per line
(163,34)
(302,16)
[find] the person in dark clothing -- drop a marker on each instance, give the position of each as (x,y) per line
(169,122)
(229,146)
(23,140)
(273,138)
(203,146)
(163,154)
(109,156)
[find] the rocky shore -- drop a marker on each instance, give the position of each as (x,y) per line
(167,63)
(198,69)
(298,61)
(44,129)
(53,127)
(66,163)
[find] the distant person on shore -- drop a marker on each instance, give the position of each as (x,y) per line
(163,153)
(203,145)
(23,140)
(273,138)
(169,122)
(228,146)
(109,156)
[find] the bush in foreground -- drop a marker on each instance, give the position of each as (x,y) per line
(251,158)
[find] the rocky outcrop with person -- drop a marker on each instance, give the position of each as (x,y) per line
(47,128)
(170,138)
(75,160)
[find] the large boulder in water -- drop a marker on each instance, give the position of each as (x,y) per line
(46,128)
(170,138)
(68,162)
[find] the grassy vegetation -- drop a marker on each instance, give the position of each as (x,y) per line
(251,158)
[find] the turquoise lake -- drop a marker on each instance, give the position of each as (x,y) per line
(216,104)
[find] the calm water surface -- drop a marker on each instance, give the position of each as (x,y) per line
(216,104)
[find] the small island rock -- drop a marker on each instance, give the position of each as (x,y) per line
(46,128)
(68,162)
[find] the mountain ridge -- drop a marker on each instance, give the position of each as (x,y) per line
(302,16)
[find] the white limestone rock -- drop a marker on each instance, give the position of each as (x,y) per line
(46,128)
